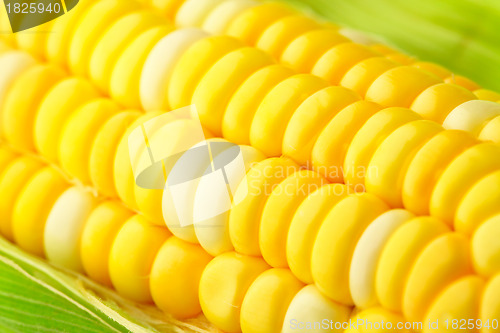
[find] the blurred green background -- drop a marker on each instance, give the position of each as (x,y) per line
(462,35)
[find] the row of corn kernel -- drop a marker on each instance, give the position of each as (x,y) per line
(289,36)
(297,40)
(241,94)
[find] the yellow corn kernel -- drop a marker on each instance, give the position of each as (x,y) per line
(367,253)
(304,227)
(160,65)
(251,23)
(489,310)
(428,165)
(175,277)
(339,233)
(310,306)
(64,225)
(13,178)
(277,108)
(132,255)
(213,233)
(193,64)
(243,105)
(167,8)
(468,168)
(308,120)
(330,149)
(462,81)
(126,75)
(443,261)
(32,207)
(460,301)
(436,102)
(114,42)
(390,162)
(221,16)
(98,234)
(485,248)
(487,95)
(472,116)
(265,304)
(398,256)
(54,111)
(360,77)
(336,62)
(103,149)
(22,102)
(279,210)
(123,176)
(280,34)
(13,64)
(376,316)
(400,86)
(223,285)
(192,13)
(491,131)
(368,139)
(244,218)
(34,40)
(479,204)
(305,51)
(433,68)
(63,29)
(78,134)
(221,81)
(91,24)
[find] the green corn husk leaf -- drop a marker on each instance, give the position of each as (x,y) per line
(461,35)
(37,297)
